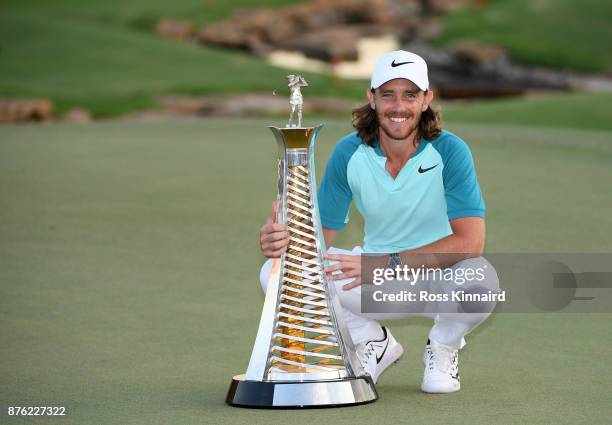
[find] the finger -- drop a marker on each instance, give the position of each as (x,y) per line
(272,216)
(344,275)
(345,265)
(276,236)
(351,285)
(331,277)
(276,245)
(277,253)
(273,227)
(333,267)
(335,257)
(343,258)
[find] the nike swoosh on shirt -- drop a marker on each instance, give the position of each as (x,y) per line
(424,170)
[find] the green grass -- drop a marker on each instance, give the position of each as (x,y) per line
(129,275)
(587,111)
(558,33)
(112,70)
(142,14)
(96,55)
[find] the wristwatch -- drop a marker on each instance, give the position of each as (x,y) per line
(394,261)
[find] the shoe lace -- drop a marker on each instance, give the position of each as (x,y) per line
(366,353)
(442,358)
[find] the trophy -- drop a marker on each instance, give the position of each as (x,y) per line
(303,354)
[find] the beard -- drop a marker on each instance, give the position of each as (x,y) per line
(399,134)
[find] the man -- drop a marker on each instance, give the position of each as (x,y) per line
(416,188)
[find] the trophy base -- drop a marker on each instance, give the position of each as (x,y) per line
(296,394)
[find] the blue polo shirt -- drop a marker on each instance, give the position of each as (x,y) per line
(436,185)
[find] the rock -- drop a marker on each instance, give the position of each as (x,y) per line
(591,83)
(77,115)
(241,105)
(224,34)
(476,52)
(253,32)
(444,6)
(184,105)
(475,70)
(176,29)
(426,29)
(323,29)
(251,105)
(331,45)
(292,60)
(150,116)
(25,110)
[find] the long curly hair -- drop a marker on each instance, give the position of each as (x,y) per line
(365,122)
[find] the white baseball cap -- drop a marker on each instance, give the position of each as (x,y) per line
(400,64)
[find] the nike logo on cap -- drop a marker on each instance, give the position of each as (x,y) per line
(393,64)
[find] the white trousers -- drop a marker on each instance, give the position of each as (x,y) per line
(450,326)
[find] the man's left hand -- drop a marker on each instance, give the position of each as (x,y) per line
(349,267)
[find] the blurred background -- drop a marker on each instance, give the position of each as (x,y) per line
(543,62)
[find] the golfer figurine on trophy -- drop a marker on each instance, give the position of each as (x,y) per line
(296,100)
(303,354)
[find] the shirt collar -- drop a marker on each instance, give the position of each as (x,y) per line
(379,152)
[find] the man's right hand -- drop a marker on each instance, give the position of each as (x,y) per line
(273,237)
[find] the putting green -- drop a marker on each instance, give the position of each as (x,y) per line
(129,262)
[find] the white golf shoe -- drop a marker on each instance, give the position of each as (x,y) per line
(441,369)
(378,355)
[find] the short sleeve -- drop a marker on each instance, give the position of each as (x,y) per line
(462,191)
(335,194)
